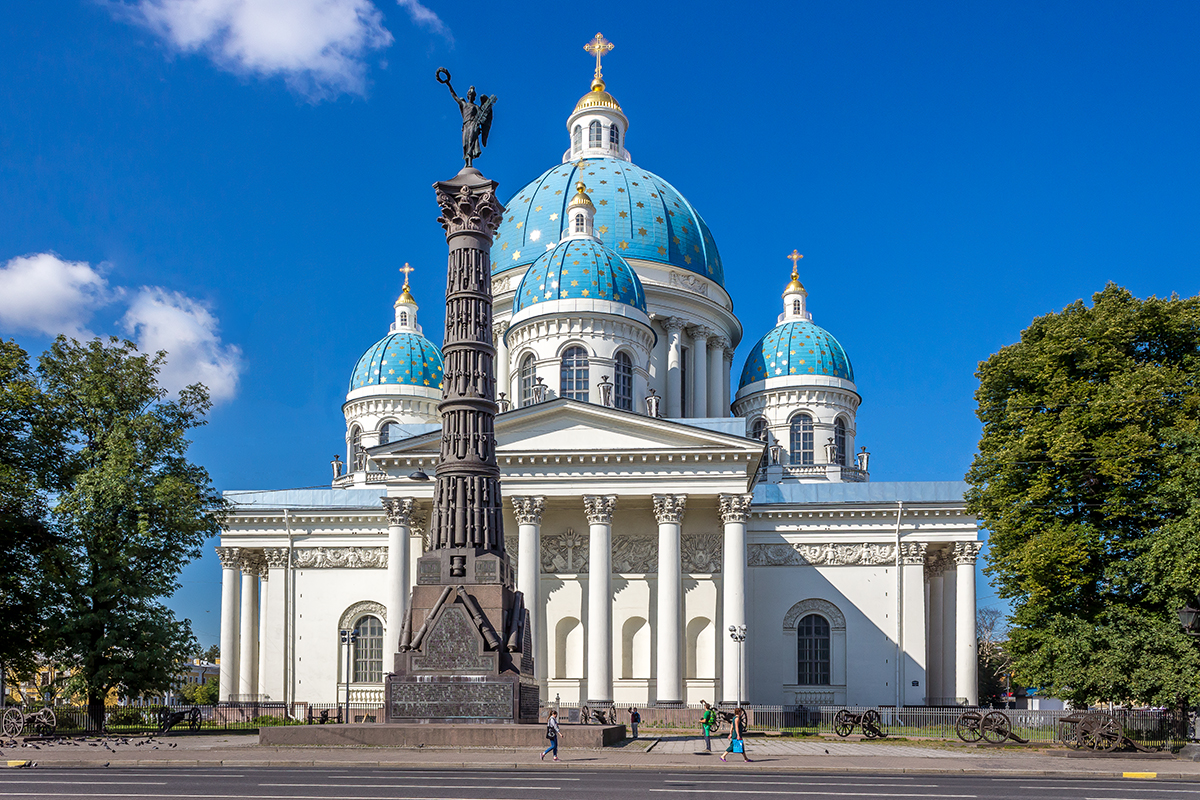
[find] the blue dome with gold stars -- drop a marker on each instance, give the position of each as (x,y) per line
(400,358)
(580,268)
(797,347)
(638,215)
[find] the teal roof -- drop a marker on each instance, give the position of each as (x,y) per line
(399,358)
(580,268)
(638,215)
(796,348)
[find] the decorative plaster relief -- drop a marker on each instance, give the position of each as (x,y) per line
(565,552)
(346,557)
(361,609)
(634,554)
(814,605)
(829,555)
(701,552)
(687,280)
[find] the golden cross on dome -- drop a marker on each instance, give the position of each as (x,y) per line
(795,257)
(598,47)
(406,269)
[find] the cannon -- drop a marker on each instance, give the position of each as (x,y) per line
(993,727)
(598,716)
(845,721)
(15,720)
(1097,731)
(168,719)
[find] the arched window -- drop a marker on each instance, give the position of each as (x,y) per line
(614,137)
(528,379)
(623,382)
(839,440)
(390,432)
(796,307)
(802,439)
(812,645)
(573,379)
(368,651)
(357,455)
(579,223)
(595,134)
(403,318)
(577,138)
(758,429)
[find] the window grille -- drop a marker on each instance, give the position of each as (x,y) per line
(623,383)
(368,651)
(812,645)
(573,379)
(802,439)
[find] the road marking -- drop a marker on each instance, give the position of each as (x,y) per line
(235,796)
(823,794)
(1139,774)
(53,782)
(1126,789)
(397,786)
(802,782)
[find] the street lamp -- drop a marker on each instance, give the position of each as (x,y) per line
(349,637)
(1189,618)
(738,634)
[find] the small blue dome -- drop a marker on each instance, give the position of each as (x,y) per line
(796,348)
(399,358)
(580,268)
(638,215)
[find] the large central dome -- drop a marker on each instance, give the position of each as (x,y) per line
(638,215)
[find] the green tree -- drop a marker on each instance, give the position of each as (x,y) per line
(25,539)
(1088,479)
(130,512)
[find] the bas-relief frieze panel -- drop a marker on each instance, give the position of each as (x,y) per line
(821,555)
(635,554)
(565,552)
(701,553)
(340,557)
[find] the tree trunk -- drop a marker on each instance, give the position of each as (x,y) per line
(95,710)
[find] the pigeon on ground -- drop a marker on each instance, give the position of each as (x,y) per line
(826,752)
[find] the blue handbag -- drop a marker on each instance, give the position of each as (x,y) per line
(737,746)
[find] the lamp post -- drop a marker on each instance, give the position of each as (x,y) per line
(1189,618)
(349,637)
(738,634)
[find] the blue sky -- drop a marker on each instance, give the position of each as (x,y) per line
(238,181)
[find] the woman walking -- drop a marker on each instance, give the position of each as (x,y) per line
(552,733)
(737,729)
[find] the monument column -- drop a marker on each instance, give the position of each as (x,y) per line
(933,680)
(248,660)
(668,510)
(528,511)
(599,509)
(273,656)
(674,326)
(230,562)
(735,513)
(717,407)
(912,623)
(966,680)
(700,337)
(399,515)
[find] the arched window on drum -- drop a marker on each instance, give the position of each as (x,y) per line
(573,378)
(528,377)
(595,134)
(839,440)
(802,439)
(623,382)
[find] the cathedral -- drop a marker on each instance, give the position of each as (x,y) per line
(677,535)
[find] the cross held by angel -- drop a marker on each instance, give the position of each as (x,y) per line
(476,118)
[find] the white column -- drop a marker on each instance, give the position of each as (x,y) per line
(717,407)
(912,643)
(934,644)
(230,561)
(528,511)
(263,606)
(502,374)
(967,667)
(599,509)
(949,600)
(726,380)
(248,657)
(273,634)
(668,510)
(700,372)
(399,515)
(735,513)
(674,327)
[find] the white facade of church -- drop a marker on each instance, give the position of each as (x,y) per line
(649,509)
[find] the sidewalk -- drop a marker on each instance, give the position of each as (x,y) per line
(674,752)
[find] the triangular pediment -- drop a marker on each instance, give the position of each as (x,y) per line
(566,426)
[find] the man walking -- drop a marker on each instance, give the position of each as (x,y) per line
(708,722)
(634,719)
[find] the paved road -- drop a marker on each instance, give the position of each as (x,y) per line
(264,783)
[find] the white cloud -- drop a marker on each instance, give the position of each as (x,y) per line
(159,319)
(41,293)
(317,46)
(426,18)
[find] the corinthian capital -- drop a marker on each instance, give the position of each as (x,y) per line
(735,507)
(230,557)
(251,560)
(913,552)
(499,329)
(674,324)
(528,510)
(966,552)
(470,208)
(276,557)
(669,508)
(702,333)
(599,508)
(400,510)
